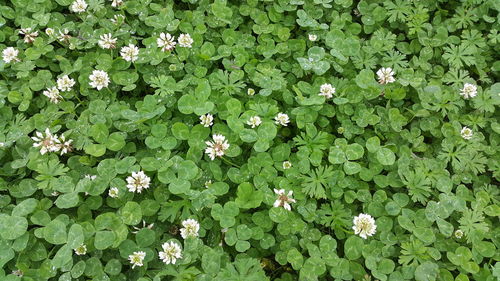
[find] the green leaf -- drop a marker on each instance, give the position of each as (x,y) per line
(385,156)
(248,197)
(12,227)
(55,232)
(131,213)
(115,141)
(67,200)
(353,247)
(103,239)
(427,271)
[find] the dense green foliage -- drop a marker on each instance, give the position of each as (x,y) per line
(417,150)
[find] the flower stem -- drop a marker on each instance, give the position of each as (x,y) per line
(229,162)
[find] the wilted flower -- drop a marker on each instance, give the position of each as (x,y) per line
(166,42)
(64,145)
(137,258)
(99,79)
(459,234)
(79,6)
(116,3)
(207,120)
(284,199)
(185,40)
(217,147)
(130,53)
(287,165)
(190,228)
(18,273)
(282,119)
(385,75)
(364,225)
(65,83)
(47,143)
(113,192)
(313,37)
(171,252)
(29,36)
(90,177)
(10,54)
(81,250)
(250,92)
(327,91)
(63,35)
(138,181)
(466,133)
(144,225)
(468,91)
(107,41)
(208,183)
(254,121)
(53,94)
(117,19)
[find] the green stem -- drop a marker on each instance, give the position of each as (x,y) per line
(229,162)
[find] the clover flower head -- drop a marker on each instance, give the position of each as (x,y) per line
(166,42)
(10,54)
(313,37)
(116,3)
(171,252)
(326,90)
(79,6)
(385,75)
(29,36)
(207,120)
(287,165)
(250,92)
(47,142)
(459,234)
(185,40)
(107,41)
(284,199)
(138,181)
(282,119)
(254,121)
(113,192)
(64,145)
(364,225)
(217,147)
(190,228)
(130,53)
(468,91)
(137,258)
(49,31)
(99,79)
(466,133)
(65,84)
(53,94)
(81,250)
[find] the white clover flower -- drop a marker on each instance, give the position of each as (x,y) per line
(90,177)
(2,144)
(18,273)
(49,31)
(466,133)
(217,147)
(137,258)
(468,91)
(107,41)
(10,54)
(287,165)
(116,3)
(171,252)
(385,75)
(313,37)
(138,181)
(166,42)
(185,40)
(326,90)
(208,183)
(63,35)
(207,120)
(47,143)
(282,119)
(54,193)
(130,53)
(250,92)
(254,121)
(99,79)
(53,95)
(64,84)
(284,199)
(113,192)
(190,228)
(81,250)
(117,18)
(364,225)
(459,234)
(64,145)
(79,6)
(29,36)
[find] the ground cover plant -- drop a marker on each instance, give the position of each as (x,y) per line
(249,140)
